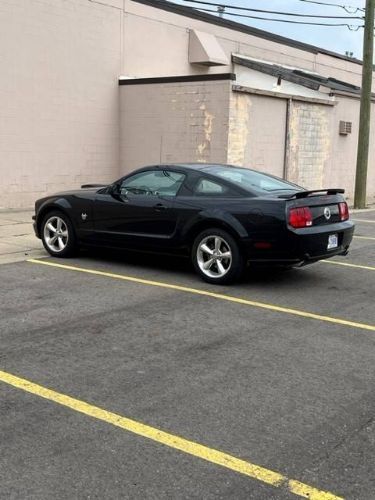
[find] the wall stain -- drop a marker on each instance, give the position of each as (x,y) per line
(238,135)
(204,148)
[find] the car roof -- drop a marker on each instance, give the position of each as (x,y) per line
(195,166)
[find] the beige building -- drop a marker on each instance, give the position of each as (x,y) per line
(90,90)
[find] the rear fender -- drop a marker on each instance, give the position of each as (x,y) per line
(214,218)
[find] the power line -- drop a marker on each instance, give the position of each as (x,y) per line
(351,27)
(347,8)
(248,9)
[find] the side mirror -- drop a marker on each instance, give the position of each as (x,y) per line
(118,193)
(114,189)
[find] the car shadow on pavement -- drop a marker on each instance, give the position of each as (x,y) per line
(141,260)
(182,267)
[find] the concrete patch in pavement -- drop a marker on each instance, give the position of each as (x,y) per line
(17,238)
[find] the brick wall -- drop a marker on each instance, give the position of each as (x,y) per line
(174,122)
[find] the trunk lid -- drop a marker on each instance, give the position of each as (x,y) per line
(324,205)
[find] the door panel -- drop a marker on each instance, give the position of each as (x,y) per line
(139,211)
(133,219)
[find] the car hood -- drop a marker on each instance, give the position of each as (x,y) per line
(89,188)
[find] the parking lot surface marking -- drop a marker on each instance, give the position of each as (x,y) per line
(364,220)
(206,293)
(347,264)
(200,451)
(364,238)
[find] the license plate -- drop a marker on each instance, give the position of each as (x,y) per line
(332,241)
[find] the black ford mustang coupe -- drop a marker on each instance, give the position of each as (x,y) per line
(222,216)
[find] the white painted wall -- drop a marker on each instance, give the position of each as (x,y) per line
(59,116)
(255,79)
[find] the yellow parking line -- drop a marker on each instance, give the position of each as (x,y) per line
(347,264)
(178,443)
(364,220)
(364,238)
(206,293)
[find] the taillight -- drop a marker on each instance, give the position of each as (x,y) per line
(300,217)
(343,210)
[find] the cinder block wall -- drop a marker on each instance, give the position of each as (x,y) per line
(174,122)
(311,135)
(344,149)
(319,156)
(315,155)
(59,118)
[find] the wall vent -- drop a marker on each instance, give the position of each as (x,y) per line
(345,128)
(205,49)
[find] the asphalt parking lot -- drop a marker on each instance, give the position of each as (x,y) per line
(263,390)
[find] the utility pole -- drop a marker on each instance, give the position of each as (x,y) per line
(365,112)
(221,10)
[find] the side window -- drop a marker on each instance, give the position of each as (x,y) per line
(207,187)
(153,183)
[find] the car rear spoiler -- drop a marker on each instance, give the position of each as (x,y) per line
(87,186)
(305,194)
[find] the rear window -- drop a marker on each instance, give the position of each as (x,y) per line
(252,180)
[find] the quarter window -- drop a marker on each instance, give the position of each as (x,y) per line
(153,183)
(208,187)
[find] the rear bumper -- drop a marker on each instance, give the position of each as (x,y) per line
(304,246)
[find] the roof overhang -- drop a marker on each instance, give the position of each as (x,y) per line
(291,80)
(212,77)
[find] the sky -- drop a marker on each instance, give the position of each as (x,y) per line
(337,39)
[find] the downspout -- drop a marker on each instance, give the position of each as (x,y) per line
(289,104)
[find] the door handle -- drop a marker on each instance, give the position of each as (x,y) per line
(159,207)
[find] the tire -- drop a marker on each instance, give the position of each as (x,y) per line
(58,235)
(210,246)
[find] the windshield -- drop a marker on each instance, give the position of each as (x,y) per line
(252,180)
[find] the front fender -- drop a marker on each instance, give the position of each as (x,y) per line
(69,208)
(46,205)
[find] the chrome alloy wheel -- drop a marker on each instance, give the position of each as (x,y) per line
(56,234)
(214,256)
